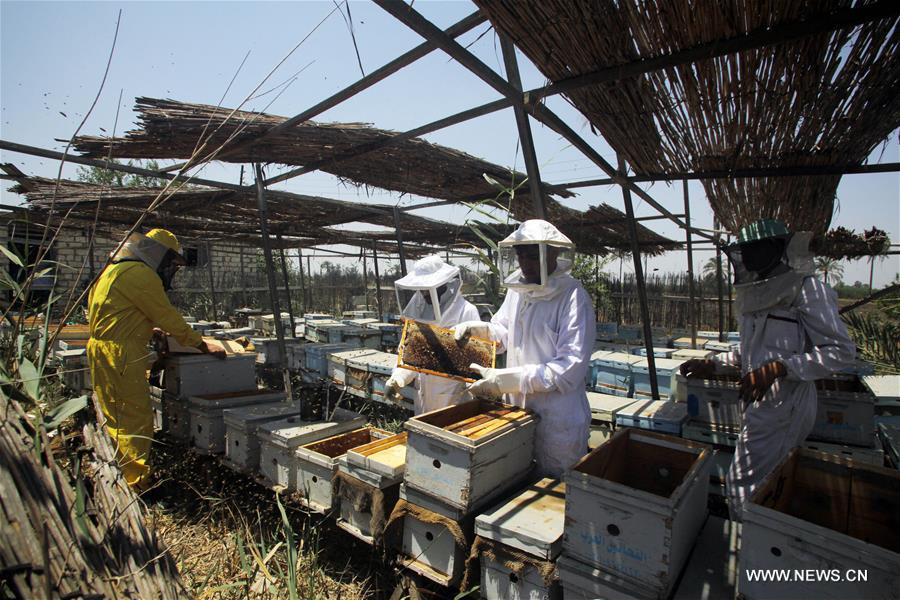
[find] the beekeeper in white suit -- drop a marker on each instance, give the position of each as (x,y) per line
(547,326)
(791,335)
(431,292)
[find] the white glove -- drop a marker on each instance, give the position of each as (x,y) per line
(496,382)
(469,328)
(399,379)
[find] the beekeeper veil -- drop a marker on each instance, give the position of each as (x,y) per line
(428,291)
(769,264)
(532,254)
(159,250)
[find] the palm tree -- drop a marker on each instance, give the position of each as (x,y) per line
(828,265)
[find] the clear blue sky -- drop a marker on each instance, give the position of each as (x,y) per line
(53,55)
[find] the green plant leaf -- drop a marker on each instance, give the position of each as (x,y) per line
(30,379)
(62,412)
(12,256)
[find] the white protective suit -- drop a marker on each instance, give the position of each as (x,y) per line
(429,273)
(803,331)
(548,332)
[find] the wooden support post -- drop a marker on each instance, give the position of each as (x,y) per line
(309,288)
(639,281)
(243,279)
(731,326)
(304,305)
(596,286)
(692,315)
(377,283)
(287,287)
(399,233)
(270,276)
(524,127)
(92,269)
(365,278)
(719,282)
(212,284)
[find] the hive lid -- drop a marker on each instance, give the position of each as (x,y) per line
(234,399)
(662,364)
(607,406)
(345,356)
(886,388)
(532,522)
(293,431)
(656,410)
(256,413)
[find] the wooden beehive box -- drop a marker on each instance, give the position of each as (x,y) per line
(338,367)
(531,522)
(665,416)
(241,442)
(196,374)
(635,505)
(715,401)
(207,419)
(176,420)
(317,462)
(817,511)
(604,408)
(280,439)
(370,478)
(463,454)
(846,412)
(722,441)
(432,349)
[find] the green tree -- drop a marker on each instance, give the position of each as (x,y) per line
(827,265)
(101,176)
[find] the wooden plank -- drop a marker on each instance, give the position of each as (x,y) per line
(467,422)
(489,418)
(380,445)
(497,424)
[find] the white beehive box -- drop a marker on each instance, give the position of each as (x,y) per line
(337,366)
(846,412)
(195,374)
(359,321)
(207,420)
(176,420)
(316,358)
(815,511)
(75,370)
(664,416)
(718,346)
(241,442)
(427,547)
(657,352)
(280,439)
(361,337)
(462,454)
(613,372)
(499,582)
(531,522)
(317,462)
(666,369)
(604,408)
(635,505)
(582,581)
(390,333)
(869,456)
(688,353)
(885,388)
(374,473)
(723,441)
(715,401)
(316,330)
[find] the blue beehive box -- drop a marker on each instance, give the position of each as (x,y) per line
(733,336)
(666,369)
(316,357)
(607,332)
(664,416)
(630,332)
(657,352)
(612,373)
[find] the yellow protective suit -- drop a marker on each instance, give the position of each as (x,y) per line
(124,305)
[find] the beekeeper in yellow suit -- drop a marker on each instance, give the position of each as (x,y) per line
(124,305)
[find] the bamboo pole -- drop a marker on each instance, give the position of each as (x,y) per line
(719,282)
(692,317)
(377,283)
(212,284)
(287,289)
(399,233)
(270,276)
(305,306)
(639,279)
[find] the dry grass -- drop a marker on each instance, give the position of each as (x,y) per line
(227,536)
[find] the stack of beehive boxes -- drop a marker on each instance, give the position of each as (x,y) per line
(634,508)
(187,375)
(458,460)
(518,542)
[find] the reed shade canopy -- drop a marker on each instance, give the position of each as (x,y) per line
(301,221)
(824,100)
(175,130)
